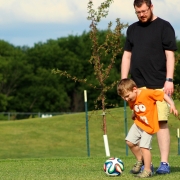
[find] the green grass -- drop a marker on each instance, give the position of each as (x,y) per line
(65,136)
(55,148)
(74,168)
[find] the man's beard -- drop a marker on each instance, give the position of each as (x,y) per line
(149,19)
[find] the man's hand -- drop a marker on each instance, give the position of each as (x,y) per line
(169,88)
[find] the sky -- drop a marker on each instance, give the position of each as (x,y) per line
(27,22)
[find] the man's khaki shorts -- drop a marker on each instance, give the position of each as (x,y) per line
(163,109)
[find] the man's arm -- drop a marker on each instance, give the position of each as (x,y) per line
(125,64)
(170,63)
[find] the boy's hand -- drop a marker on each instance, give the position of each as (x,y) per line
(133,116)
(174,110)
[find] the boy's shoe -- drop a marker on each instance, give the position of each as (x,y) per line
(144,174)
(152,168)
(137,167)
(164,168)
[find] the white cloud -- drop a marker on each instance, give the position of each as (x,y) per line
(56,10)
(64,11)
(25,19)
(36,10)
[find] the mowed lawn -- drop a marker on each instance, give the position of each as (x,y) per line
(65,136)
(74,168)
(56,147)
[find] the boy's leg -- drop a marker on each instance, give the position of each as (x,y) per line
(135,149)
(132,140)
(145,145)
(137,153)
(147,159)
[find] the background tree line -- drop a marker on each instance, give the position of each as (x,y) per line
(27,83)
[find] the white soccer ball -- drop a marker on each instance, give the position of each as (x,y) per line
(113,166)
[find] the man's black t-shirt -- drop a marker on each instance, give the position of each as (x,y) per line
(147,42)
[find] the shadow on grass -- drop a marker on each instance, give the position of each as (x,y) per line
(172,169)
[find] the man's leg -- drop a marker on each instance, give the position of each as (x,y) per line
(163,137)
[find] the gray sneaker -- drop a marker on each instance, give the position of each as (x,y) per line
(144,174)
(137,167)
(152,168)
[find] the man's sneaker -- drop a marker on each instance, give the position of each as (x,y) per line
(137,167)
(152,168)
(144,174)
(164,168)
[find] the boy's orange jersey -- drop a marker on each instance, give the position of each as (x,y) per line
(145,109)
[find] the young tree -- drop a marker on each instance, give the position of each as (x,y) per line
(111,48)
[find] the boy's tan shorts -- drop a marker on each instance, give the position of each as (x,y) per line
(139,137)
(163,109)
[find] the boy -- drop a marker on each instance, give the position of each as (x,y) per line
(145,116)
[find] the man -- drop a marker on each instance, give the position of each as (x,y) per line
(149,56)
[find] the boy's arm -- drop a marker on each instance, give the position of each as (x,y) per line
(171,104)
(133,116)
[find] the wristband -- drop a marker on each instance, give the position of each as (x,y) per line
(169,79)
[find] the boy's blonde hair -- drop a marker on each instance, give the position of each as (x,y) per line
(124,86)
